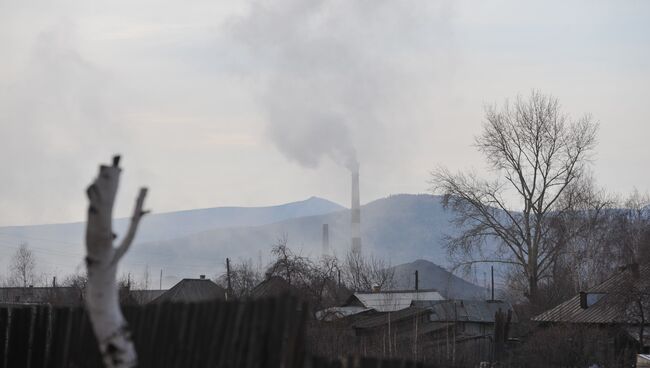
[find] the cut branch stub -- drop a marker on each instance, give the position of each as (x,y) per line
(102,299)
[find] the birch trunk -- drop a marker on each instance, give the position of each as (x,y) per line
(102,301)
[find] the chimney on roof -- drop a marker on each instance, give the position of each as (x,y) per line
(355,218)
(202,277)
(583,300)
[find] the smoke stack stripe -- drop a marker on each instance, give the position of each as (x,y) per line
(326,239)
(355,218)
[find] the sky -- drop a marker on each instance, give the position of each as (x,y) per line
(257,103)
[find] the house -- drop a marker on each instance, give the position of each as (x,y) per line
(389,334)
(399,322)
(58,296)
(274,286)
(334,313)
(390,301)
(466,330)
(612,305)
(469,318)
(142,297)
(192,290)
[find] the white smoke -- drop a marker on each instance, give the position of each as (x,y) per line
(57,114)
(334,73)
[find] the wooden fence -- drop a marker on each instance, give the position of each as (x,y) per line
(261,333)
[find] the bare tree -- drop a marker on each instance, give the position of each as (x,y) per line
(76,280)
(632,299)
(102,258)
(292,267)
(324,285)
(243,278)
(537,152)
(629,230)
(363,273)
(23,267)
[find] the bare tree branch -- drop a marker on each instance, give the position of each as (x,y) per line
(138,213)
(539,153)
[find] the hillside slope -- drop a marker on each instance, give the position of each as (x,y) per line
(432,276)
(60,246)
(399,228)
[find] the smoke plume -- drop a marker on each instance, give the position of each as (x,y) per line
(334,73)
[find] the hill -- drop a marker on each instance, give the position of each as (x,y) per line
(398,228)
(60,246)
(432,276)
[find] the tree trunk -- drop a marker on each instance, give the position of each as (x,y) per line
(533,290)
(641,327)
(102,301)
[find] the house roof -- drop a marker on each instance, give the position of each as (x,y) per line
(603,310)
(145,296)
(391,301)
(479,311)
(381,319)
(192,290)
(273,286)
(333,313)
(41,295)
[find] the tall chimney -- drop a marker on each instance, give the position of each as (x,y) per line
(356,211)
(326,239)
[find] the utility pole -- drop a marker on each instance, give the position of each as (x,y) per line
(160,282)
(339,272)
(453,356)
(390,346)
(229,291)
(492,272)
(417,281)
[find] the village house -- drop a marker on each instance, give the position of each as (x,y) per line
(618,307)
(55,295)
(192,290)
(390,301)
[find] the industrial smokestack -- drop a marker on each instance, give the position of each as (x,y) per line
(355,220)
(326,239)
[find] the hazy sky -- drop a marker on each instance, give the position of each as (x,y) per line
(216,103)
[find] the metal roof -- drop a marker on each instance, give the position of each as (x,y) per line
(603,310)
(391,301)
(333,313)
(146,296)
(480,311)
(192,290)
(381,319)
